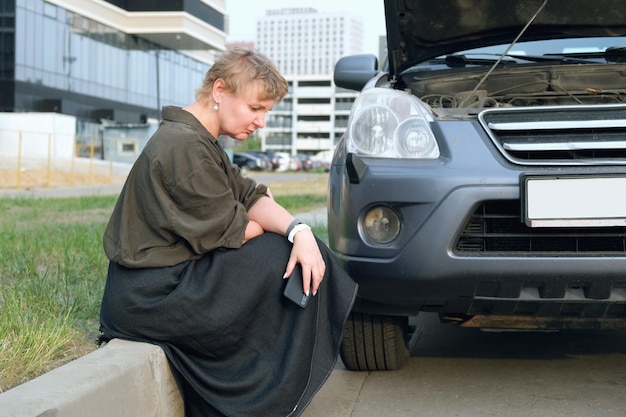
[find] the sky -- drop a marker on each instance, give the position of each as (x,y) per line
(243,14)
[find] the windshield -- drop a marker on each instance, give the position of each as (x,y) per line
(554,46)
(575,50)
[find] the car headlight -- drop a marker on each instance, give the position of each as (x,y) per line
(391,124)
(373,129)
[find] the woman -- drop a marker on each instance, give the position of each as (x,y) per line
(198,254)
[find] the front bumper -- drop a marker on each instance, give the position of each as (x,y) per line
(424,269)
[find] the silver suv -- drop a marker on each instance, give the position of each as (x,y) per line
(482,174)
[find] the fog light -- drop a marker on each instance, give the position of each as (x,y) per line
(381,224)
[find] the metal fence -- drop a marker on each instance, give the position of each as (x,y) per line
(31,159)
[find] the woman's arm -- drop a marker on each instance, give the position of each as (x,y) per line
(253,229)
(273,217)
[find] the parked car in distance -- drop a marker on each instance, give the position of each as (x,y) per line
(482,174)
(323,159)
(250,162)
(271,157)
(284,161)
(295,163)
(305,160)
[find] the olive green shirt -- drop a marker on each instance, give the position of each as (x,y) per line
(182,198)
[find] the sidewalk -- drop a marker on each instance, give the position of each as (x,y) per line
(314,218)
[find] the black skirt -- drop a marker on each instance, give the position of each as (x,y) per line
(240,348)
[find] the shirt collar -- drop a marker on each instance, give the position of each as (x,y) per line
(179,115)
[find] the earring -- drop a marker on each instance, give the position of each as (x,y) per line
(215,106)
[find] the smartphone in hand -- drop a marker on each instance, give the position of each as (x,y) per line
(294,290)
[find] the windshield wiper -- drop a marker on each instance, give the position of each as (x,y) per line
(560,58)
(612,54)
(615,54)
(460,61)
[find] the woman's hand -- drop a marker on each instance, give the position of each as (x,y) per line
(253,229)
(307,253)
(274,218)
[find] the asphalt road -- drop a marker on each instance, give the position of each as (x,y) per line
(272,177)
(470,373)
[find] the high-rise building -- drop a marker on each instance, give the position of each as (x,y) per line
(305,44)
(112,60)
(304,41)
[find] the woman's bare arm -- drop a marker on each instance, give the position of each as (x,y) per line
(273,217)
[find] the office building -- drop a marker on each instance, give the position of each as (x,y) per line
(312,118)
(106,61)
(305,41)
(305,44)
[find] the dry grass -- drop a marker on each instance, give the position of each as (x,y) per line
(39,178)
(315,184)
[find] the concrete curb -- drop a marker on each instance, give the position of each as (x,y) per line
(121,379)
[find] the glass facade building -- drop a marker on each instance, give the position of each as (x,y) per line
(118,60)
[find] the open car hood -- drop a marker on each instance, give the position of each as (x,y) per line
(418,30)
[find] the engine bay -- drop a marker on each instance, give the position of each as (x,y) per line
(519,86)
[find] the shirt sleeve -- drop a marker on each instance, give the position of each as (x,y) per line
(208,202)
(249,190)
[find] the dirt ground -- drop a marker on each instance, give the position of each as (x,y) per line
(41,178)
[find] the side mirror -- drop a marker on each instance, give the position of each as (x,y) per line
(354,71)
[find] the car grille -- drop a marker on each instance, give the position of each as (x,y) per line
(496,227)
(564,135)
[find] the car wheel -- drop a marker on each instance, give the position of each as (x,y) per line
(375,343)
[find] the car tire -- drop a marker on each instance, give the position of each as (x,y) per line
(375,343)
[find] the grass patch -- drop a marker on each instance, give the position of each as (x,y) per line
(301,203)
(53,270)
(51,279)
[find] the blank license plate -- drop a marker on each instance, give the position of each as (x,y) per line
(574,201)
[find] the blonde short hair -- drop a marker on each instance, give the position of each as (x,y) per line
(238,67)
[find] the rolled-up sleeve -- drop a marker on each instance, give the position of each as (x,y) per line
(209,208)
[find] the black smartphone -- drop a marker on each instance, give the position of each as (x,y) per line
(294,290)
